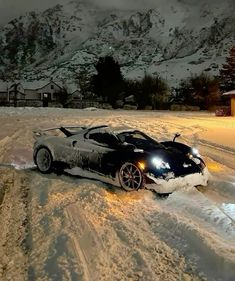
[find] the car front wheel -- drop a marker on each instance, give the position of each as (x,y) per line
(44,160)
(130,177)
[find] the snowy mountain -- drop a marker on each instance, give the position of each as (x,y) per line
(173,38)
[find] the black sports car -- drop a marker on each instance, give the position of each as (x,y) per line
(132,159)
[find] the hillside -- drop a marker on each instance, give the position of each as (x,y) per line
(173,39)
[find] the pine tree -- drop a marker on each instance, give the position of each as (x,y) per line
(108,82)
(227,73)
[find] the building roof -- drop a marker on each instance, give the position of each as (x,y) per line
(36,85)
(72,88)
(229,93)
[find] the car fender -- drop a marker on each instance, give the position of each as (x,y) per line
(41,145)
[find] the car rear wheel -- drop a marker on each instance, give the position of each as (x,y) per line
(44,160)
(130,177)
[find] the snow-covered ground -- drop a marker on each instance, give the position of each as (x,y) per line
(73,228)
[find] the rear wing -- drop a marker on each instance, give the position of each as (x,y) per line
(64,129)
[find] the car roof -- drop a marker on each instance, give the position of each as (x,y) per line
(110,129)
(120,130)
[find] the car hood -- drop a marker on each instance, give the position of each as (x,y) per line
(177,161)
(168,155)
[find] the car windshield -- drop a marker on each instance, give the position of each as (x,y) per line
(136,138)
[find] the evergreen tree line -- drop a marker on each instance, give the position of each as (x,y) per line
(109,86)
(152,91)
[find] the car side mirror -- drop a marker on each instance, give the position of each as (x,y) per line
(176,136)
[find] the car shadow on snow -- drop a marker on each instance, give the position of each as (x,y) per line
(101,181)
(78,180)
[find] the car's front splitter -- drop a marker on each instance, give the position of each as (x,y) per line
(164,186)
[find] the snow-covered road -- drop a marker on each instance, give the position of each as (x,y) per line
(71,228)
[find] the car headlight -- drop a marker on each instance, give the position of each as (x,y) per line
(194,155)
(160,164)
(195,152)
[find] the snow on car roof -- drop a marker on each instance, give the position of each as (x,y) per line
(120,130)
(110,129)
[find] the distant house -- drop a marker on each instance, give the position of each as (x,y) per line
(74,92)
(78,100)
(76,95)
(41,93)
(231,95)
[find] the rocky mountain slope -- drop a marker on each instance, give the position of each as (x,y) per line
(174,38)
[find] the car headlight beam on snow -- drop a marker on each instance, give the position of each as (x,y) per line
(159,163)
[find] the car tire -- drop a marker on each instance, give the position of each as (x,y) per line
(44,160)
(130,177)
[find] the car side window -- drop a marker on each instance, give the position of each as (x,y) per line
(96,137)
(104,138)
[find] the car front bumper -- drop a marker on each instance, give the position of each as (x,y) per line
(164,186)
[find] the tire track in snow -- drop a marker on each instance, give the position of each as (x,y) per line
(189,237)
(218,153)
(200,230)
(86,241)
(178,235)
(223,199)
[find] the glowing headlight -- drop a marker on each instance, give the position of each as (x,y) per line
(194,155)
(195,152)
(160,164)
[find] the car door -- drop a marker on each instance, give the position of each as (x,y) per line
(102,146)
(82,151)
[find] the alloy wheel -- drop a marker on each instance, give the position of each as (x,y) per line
(44,160)
(130,177)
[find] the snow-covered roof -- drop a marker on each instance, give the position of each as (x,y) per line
(58,83)
(71,88)
(229,93)
(35,85)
